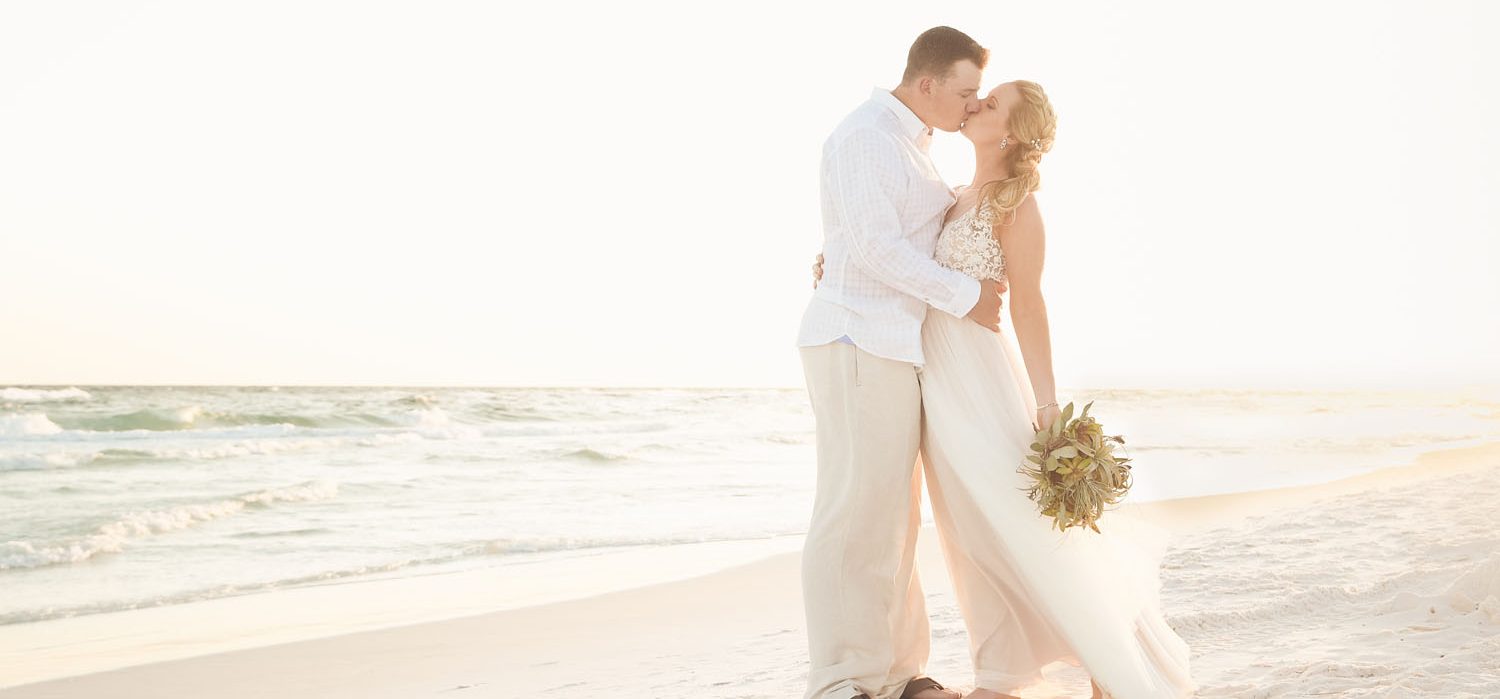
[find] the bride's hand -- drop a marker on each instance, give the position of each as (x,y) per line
(1046,416)
(817,270)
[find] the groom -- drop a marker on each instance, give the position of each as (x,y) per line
(860,341)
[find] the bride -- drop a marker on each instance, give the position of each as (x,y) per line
(1029,594)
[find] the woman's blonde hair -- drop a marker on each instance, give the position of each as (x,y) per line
(1032,128)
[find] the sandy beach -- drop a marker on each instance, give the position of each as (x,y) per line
(388,350)
(1385,584)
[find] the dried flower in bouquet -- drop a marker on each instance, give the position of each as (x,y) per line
(1074,470)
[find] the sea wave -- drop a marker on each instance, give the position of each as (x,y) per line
(196,417)
(595,455)
(13,394)
(27,425)
(67,458)
(438,423)
(112,537)
(437,415)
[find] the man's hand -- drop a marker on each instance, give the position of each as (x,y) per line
(987,311)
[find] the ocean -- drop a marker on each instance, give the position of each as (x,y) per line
(121,497)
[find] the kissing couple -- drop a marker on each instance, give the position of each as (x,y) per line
(905,362)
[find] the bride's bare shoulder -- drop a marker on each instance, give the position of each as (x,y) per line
(1029,208)
(1028,215)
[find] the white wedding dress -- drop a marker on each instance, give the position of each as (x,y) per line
(1029,594)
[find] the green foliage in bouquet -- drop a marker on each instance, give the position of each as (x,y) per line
(1074,470)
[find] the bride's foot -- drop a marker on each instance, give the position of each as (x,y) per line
(1098,693)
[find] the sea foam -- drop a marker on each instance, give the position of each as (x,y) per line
(112,537)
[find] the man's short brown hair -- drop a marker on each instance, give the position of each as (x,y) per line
(937,49)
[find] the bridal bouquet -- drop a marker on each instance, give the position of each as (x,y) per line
(1075,471)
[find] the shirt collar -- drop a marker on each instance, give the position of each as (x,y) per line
(911,125)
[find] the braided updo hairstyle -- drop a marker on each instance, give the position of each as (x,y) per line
(1032,128)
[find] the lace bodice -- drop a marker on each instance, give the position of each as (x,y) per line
(968,245)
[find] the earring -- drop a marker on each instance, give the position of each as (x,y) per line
(1004,142)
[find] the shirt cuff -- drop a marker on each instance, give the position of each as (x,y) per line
(966,298)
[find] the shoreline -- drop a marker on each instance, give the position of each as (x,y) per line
(39,651)
(544,622)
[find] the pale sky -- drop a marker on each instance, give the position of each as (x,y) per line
(625,194)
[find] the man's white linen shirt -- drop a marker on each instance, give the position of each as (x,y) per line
(883,205)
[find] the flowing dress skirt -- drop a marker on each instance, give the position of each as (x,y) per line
(1031,595)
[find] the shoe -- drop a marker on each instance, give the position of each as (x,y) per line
(919,684)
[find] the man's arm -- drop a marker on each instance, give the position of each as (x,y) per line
(866,179)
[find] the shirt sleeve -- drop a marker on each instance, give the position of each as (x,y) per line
(867,178)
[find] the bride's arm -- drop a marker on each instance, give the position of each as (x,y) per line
(1024,244)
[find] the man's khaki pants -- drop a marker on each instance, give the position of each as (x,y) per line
(867,622)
